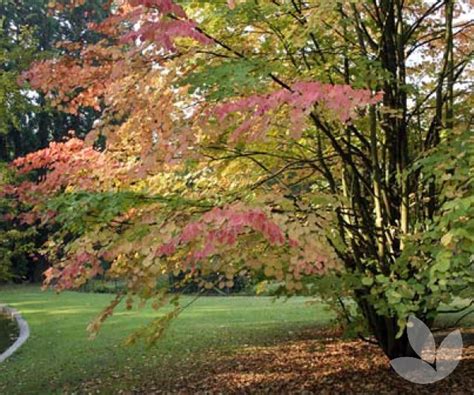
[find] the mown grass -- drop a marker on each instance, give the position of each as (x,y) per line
(59,357)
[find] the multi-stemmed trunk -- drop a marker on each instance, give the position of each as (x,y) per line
(377,215)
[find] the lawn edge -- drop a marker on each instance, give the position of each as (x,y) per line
(23,328)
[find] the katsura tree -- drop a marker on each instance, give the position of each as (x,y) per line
(322,145)
(30,30)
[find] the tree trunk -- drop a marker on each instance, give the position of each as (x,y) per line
(385,330)
(4,157)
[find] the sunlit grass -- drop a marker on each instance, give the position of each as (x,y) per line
(60,356)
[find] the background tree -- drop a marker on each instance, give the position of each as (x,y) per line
(31,30)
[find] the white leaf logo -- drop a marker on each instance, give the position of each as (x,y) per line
(419,370)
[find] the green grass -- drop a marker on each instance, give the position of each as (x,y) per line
(59,356)
(464,318)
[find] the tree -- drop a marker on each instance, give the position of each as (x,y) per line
(13,104)
(30,30)
(323,145)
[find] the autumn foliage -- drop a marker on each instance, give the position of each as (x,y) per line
(261,140)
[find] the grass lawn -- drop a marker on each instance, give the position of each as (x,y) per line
(59,357)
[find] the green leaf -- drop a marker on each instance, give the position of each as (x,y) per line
(367,281)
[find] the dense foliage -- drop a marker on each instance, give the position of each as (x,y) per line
(323,146)
(30,30)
